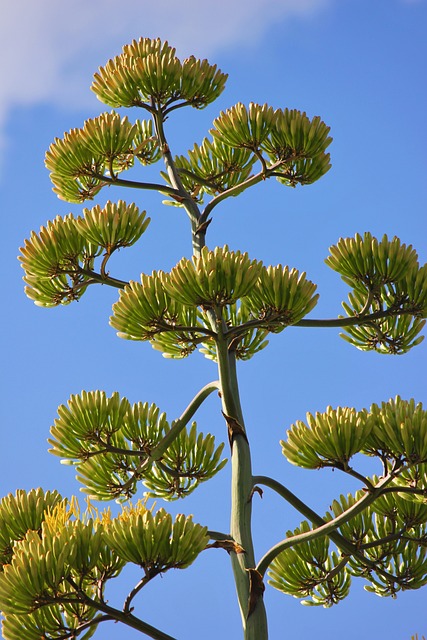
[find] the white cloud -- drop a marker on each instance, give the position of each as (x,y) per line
(50,48)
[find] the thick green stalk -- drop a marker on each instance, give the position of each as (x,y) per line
(251,604)
(252,608)
(181,195)
(133,184)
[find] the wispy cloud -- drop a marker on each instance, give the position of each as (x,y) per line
(50,49)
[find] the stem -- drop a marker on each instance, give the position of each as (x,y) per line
(184,419)
(324,528)
(137,588)
(266,172)
(347,547)
(133,184)
(86,625)
(125,617)
(108,280)
(253,613)
(353,320)
(180,193)
(174,432)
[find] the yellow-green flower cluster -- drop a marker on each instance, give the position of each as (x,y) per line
(148,71)
(172,309)
(154,542)
(309,570)
(294,144)
(115,444)
(216,278)
(388,284)
(58,260)
(113,226)
(396,430)
(60,560)
(78,161)
(281,297)
(327,439)
(399,431)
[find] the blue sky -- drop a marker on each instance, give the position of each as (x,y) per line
(361,66)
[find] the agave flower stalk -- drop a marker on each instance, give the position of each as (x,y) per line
(55,561)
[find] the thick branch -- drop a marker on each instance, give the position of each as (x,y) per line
(266,172)
(134,184)
(180,193)
(354,320)
(125,617)
(359,320)
(233,191)
(251,604)
(184,419)
(175,430)
(323,528)
(97,277)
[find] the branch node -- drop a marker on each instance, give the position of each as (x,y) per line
(256,589)
(234,429)
(201,228)
(255,490)
(230,546)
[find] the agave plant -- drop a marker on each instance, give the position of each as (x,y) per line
(57,559)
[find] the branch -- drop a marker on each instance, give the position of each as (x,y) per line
(390,538)
(354,320)
(86,625)
(137,588)
(261,158)
(353,473)
(180,193)
(233,191)
(133,184)
(163,327)
(121,616)
(168,109)
(218,535)
(291,498)
(184,419)
(413,490)
(203,181)
(266,172)
(263,323)
(323,528)
(97,277)
(178,474)
(180,424)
